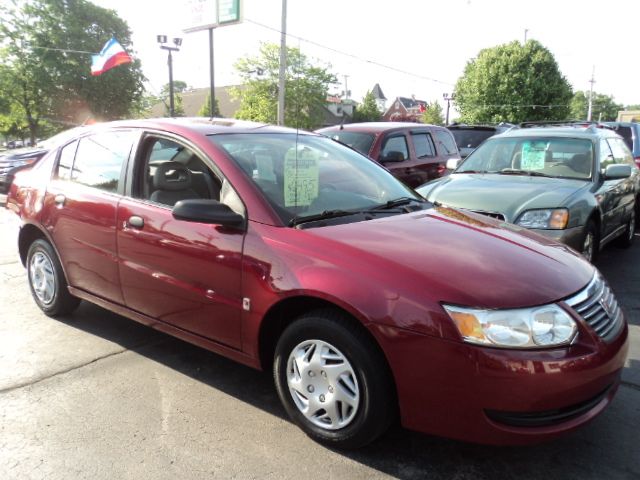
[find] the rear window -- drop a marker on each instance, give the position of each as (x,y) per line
(358,140)
(471,138)
(626,134)
(446,142)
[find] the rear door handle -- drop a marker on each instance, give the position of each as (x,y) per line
(60,199)
(135,221)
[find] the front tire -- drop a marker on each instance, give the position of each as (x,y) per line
(47,281)
(332,380)
(591,242)
(626,239)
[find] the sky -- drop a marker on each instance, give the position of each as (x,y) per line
(409,47)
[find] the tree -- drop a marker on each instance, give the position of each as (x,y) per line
(178,106)
(603,107)
(44,62)
(179,86)
(205,110)
(633,107)
(368,110)
(433,114)
(306,87)
(515,83)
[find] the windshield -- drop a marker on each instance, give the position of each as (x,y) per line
(471,138)
(552,157)
(360,141)
(304,175)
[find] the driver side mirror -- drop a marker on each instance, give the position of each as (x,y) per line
(452,163)
(617,171)
(207,211)
(392,156)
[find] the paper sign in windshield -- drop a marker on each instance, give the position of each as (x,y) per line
(301,177)
(533,154)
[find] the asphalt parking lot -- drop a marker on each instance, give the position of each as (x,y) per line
(95,395)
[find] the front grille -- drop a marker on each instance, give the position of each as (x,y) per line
(496,215)
(598,306)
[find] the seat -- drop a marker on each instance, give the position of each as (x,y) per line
(172,182)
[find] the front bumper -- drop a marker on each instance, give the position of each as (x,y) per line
(573,237)
(499,396)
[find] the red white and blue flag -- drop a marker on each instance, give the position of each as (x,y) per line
(111,55)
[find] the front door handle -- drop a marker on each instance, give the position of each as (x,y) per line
(135,221)
(60,199)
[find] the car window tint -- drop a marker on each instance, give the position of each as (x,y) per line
(65,163)
(606,157)
(621,153)
(471,138)
(446,142)
(395,144)
(100,158)
(358,140)
(423,145)
(626,134)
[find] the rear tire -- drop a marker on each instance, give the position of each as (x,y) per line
(47,282)
(591,242)
(332,381)
(626,239)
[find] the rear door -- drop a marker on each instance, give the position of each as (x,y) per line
(186,274)
(395,155)
(80,207)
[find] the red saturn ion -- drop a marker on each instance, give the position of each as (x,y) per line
(288,251)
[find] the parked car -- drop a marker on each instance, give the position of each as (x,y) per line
(413,152)
(24,158)
(468,137)
(288,251)
(575,184)
(630,132)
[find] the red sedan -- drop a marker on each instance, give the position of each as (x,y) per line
(287,251)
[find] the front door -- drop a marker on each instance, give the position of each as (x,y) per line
(182,273)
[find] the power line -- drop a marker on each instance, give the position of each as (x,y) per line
(365,60)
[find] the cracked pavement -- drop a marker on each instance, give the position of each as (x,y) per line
(95,395)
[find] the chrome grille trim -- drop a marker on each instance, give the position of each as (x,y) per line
(598,306)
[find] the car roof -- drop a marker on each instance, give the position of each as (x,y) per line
(375,127)
(202,125)
(590,132)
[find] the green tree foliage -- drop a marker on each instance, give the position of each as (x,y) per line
(368,110)
(205,110)
(306,87)
(179,86)
(49,78)
(633,107)
(513,82)
(178,106)
(603,107)
(433,114)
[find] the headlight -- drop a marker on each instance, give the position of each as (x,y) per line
(534,327)
(549,219)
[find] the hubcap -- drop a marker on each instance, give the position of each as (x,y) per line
(323,384)
(42,277)
(587,246)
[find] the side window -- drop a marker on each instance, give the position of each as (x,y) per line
(395,144)
(100,159)
(65,163)
(606,157)
(172,172)
(621,153)
(423,145)
(446,142)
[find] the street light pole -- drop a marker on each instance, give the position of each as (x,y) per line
(162,40)
(448,98)
(283,64)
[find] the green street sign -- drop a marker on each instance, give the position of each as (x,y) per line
(228,11)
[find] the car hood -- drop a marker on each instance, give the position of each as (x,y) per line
(16,156)
(467,259)
(509,195)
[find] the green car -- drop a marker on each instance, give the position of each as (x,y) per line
(576,184)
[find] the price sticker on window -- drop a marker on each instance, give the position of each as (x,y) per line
(301,178)
(533,155)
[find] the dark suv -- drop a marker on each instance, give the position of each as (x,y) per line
(468,137)
(630,132)
(413,152)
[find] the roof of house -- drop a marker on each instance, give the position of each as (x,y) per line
(377,92)
(411,102)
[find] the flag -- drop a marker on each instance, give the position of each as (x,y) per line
(111,55)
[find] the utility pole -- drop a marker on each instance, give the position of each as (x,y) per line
(526,30)
(592,81)
(283,63)
(346,87)
(448,98)
(211,75)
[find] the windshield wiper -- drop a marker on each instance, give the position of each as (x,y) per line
(515,171)
(398,202)
(297,220)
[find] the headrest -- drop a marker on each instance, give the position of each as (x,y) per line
(172,176)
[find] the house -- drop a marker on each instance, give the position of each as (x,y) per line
(338,110)
(629,116)
(405,109)
(381,100)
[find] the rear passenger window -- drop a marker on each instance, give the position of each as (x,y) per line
(446,142)
(621,153)
(395,144)
(65,163)
(423,145)
(100,158)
